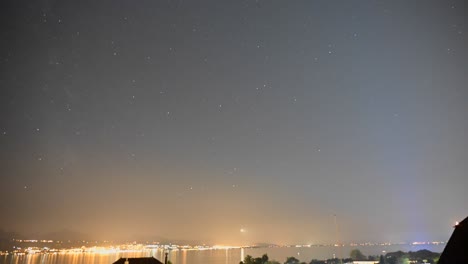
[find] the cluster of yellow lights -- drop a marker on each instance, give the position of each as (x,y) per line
(224,247)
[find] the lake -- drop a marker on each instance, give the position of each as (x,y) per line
(218,256)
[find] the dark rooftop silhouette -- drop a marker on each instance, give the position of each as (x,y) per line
(150,260)
(456,249)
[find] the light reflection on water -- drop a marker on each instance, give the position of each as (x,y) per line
(218,256)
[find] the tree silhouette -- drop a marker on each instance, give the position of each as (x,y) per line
(356,254)
(261,260)
(292,260)
(382,260)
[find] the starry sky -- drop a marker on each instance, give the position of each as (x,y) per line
(196,120)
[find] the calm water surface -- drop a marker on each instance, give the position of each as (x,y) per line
(219,256)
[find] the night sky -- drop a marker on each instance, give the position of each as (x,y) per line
(193,120)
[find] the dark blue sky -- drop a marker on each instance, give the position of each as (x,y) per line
(192,120)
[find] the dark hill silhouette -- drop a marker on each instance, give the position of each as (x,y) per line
(456,250)
(65,234)
(6,239)
(423,254)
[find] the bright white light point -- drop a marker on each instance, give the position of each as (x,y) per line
(456,223)
(25,187)
(242,230)
(37,129)
(220,106)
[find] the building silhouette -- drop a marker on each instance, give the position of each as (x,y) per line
(456,250)
(150,260)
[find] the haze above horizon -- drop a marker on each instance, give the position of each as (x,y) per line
(234,122)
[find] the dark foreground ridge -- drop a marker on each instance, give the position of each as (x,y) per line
(150,260)
(456,250)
